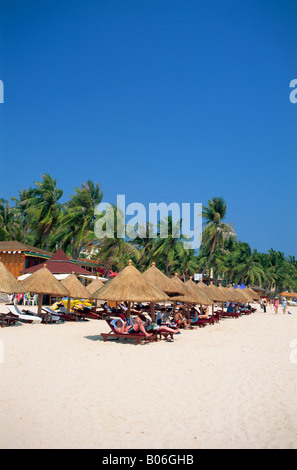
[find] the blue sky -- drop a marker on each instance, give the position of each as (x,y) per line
(163,101)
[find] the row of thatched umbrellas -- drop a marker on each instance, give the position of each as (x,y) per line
(130,286)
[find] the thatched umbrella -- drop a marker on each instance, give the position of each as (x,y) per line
(232,296)
(253,294)
(156,276)
(235,296)
(93,287)
(202,296)
(209,292)
(130,286)
(44,282)
(186,295)
(76,290)
(8,283)
(244,293)
(213,293)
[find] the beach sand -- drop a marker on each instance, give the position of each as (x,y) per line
(229,385)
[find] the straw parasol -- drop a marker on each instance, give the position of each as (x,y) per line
(231,296)
(75,289)
(156,276)
(186,295)
(253,294)
(236,295)
(215,293)
(203,297)
(243,292)
(288,294)
(44,282)
(210,293)
(8,283)
(93,287)
(130,286)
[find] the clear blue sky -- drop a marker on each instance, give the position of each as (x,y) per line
(163,101)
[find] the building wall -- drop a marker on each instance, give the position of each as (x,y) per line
(14,262)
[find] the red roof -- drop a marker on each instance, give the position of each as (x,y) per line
(59,263)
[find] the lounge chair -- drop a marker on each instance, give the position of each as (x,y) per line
(201,322)
(228,314)
(62,316)
(138,337)
(45,317)
(6,319)
(23,317)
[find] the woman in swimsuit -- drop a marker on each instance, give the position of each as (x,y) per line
(136,328)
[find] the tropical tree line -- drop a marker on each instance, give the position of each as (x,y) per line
(38,218)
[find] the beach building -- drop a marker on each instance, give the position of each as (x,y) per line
(20,258)
(17,256)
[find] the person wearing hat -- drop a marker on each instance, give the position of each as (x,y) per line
(276,304)
(284,304)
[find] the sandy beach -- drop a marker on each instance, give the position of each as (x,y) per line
(229,385)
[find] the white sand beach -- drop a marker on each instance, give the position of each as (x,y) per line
(229,385)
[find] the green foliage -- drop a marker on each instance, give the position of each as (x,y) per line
(38,218)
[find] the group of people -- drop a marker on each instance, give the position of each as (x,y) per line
(166,321)
(137,325)
(237,308)
(275,303)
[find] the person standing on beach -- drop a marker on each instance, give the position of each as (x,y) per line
(264,304)
(284,304)
(276,304)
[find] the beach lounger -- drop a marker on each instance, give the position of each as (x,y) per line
(201,322)
(138,337)
(6,319)
(22,317)
(62,316)
(45,317)
(228,315)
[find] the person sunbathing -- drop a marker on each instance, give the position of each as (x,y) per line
(124,309)
(179,319)
(137,327)
(196,313)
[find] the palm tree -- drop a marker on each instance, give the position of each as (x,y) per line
(76,229)
(145,246)
(21,206)
(215,231)
(8,220)
(170,249)
(44,209)
(114,251)
(248,271)
(187,264)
